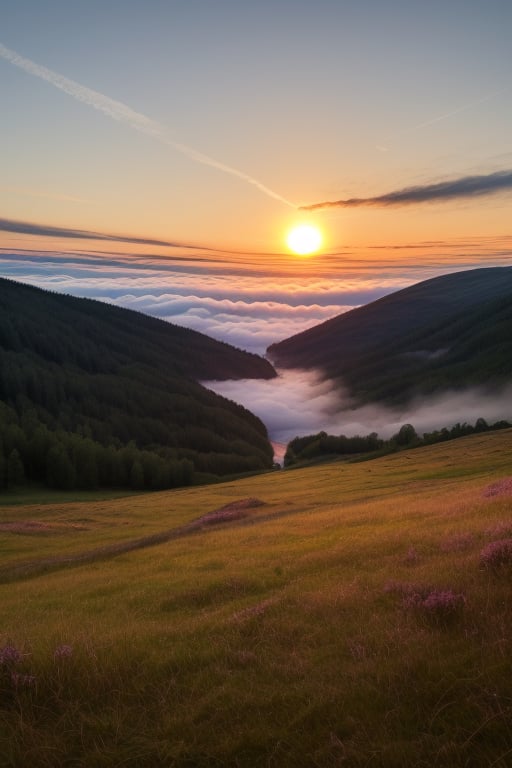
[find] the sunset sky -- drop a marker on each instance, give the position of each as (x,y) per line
(193,131)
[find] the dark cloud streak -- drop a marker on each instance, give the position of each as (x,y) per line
(464,187)
(42,230)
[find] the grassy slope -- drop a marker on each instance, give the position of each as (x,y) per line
(271,641)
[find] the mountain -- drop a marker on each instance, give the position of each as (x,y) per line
(92,394)
(451,332)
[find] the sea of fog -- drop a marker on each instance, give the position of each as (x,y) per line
(302,403)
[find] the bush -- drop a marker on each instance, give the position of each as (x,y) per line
(438,606)
(497,555)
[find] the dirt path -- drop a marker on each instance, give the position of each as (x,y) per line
(233,512)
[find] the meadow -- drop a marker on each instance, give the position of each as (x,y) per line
(349,615)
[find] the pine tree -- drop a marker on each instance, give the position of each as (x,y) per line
(15,470)
(2,469)
(137,476)
(60,472)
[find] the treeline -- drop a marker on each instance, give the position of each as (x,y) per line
(31,451)
(322,445)
(97,396)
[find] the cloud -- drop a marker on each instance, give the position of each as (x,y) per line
(42,230)
(295,403)
(248,311)
(250,303)
(124,114)
(302,402)
(251,325)
(464,187)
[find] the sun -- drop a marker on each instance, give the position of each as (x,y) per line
(304,239)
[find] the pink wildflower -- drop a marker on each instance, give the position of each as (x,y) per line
(63,652)
(497,555)
(9,655)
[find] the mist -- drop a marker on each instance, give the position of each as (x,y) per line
(301,402)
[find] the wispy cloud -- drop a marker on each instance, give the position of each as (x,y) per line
(464,187)
(136,120)
(48,230)
(43,230)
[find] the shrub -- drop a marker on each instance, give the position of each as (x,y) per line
(443,605)
(411,557)
(9,655)
(501,487)
(437,605)
(497,555)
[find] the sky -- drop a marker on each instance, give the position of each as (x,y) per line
(155,153)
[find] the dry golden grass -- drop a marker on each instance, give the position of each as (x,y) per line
(278,639)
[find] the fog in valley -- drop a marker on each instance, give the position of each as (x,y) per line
(300,402)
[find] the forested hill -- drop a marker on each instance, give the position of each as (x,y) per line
(93,394)
(448,332)
(101,337)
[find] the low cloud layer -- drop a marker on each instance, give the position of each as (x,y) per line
(464,187)
(248,302)
(251,308)
(301,403)
(248,308)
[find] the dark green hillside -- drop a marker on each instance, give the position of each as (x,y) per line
(448,332)
(97,395)
(97,336)
(469,349)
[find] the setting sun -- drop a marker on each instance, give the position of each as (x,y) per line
(304,239)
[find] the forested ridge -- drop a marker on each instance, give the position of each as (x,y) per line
(449,332)
(322,446)
(95,395)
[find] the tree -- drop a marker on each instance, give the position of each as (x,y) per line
(137,476)
(15,469)
(406,435)
(2,469)
(85,463)
(60,472)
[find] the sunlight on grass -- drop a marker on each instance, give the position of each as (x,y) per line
(347,619)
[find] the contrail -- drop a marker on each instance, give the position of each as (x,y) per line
(466,186)
(464,107)
(139,122)
(383,148)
